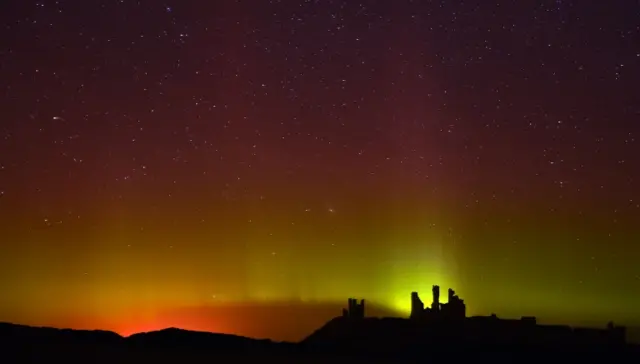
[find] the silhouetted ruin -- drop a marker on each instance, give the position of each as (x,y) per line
(432,333)
(341,340)
(355,310)
(448,321)
(455,309)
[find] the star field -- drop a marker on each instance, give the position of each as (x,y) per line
(164,163)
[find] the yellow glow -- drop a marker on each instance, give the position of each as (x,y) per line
(246,280)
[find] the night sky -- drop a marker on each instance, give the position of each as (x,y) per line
(246,166)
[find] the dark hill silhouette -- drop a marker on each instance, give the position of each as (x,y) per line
(36,334)
(177,339)
(441,331)
(25,344)
(39,344)
(341,340)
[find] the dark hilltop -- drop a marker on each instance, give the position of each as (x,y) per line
(441,331)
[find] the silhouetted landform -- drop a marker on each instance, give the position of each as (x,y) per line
(444,328)
(438,332)
(25,344)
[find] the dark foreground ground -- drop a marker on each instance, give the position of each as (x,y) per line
(21,344)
